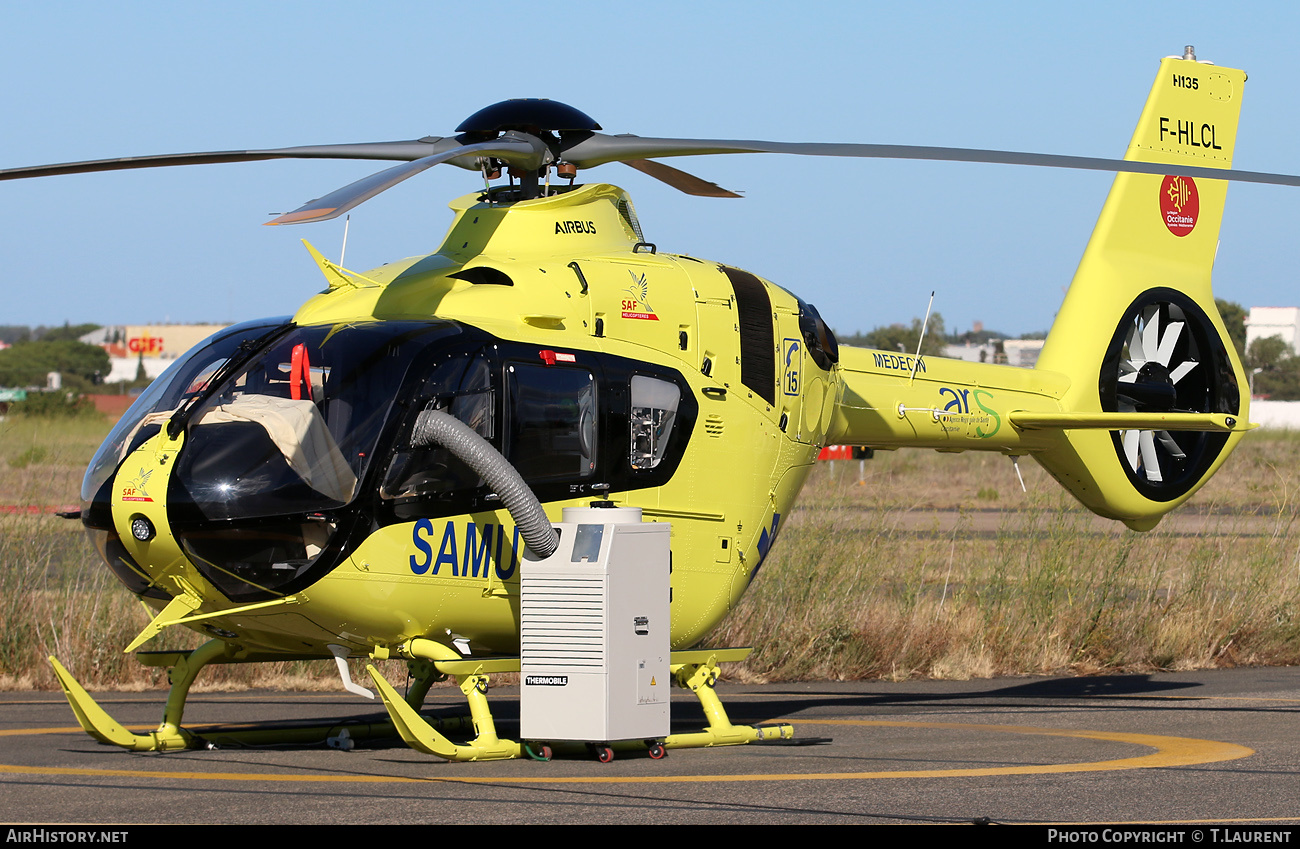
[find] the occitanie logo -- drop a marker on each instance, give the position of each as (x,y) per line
(1179,204)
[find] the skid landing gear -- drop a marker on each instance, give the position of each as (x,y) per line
(695,670)
(169,735)
(182,668)
(472,676)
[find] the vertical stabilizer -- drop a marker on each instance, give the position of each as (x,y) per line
(1139,330)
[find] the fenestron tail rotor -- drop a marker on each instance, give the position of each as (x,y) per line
(531,136)
(1166,357)
(1148,382)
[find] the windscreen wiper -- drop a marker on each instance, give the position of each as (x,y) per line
(246,351)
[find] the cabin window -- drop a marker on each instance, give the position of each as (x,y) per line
(653,413)
(551,427)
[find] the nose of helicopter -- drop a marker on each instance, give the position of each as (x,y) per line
(232,477)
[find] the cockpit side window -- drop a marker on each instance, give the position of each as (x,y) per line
(472,402)
(551,425)
(462,387)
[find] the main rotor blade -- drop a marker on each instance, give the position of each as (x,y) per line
(396,151)
(526,151)
(589,149)
(680,180)
(598,148)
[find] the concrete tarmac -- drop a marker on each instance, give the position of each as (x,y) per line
(1214,747)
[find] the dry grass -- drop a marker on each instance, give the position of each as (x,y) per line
(933,565)
(42,460)
(910,574)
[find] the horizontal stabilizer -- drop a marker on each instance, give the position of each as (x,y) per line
(1218,422)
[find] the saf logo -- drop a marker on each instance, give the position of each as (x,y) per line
(637,306)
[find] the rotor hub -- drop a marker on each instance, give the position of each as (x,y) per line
(1152,391)
(529,115)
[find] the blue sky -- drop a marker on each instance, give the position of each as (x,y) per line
(866,241)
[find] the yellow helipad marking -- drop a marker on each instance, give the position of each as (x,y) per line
(1169,751)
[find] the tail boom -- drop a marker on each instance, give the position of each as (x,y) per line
(894,401)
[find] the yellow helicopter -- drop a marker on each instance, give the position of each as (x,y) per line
(369,477)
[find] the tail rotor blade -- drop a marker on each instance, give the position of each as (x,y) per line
(1150,458)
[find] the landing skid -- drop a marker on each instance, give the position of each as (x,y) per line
(695,670)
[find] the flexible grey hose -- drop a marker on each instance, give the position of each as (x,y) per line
(437,427)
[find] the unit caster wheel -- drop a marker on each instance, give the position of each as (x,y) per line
(657,752)
(604,754)
(539,753)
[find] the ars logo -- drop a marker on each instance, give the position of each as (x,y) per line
(1179,204)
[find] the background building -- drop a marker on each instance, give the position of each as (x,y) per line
(153,345)
(1283,322)
(1013,352)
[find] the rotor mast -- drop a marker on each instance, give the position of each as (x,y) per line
(539,118)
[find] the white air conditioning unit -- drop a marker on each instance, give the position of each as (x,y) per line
(594,620)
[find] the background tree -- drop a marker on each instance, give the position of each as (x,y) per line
(66,333)
(12,334)
(55,405)
(27,364)
(1274,369)
(976,337)
(902,339)
(1234,319)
